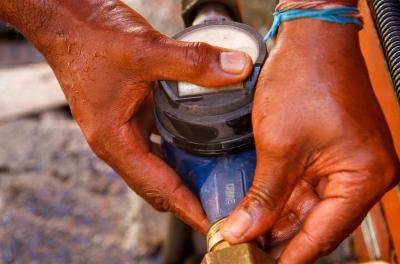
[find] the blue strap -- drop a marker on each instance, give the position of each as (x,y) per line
(335,15)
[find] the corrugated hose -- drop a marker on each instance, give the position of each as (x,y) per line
(387,18)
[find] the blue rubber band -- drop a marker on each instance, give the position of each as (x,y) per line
(335,15)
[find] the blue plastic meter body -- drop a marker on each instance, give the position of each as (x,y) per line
(220,182)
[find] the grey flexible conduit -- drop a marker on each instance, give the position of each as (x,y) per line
(387,15)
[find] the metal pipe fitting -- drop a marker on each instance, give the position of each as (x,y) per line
(211,12)
(221,252)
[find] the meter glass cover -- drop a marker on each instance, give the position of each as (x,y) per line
(224,36)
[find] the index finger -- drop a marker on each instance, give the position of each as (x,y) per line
(127,150)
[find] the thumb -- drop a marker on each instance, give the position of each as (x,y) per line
(273,183)
(200,63)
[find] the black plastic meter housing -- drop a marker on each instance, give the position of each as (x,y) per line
(210,123)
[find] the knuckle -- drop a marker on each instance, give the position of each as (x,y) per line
(322,245)
(261,197)
(163,200)
(294,218)
(277,144)
(277,235)
(277,140)
(142,43)
(326,248)
(360,186)
(161,205)
(382,171)
(99,138)
(149,40)
(196,55)
(392,172)
(158,200)
(95,138)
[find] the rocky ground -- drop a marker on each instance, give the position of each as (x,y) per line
(60,204)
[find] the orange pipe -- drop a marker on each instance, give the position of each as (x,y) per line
(383,87)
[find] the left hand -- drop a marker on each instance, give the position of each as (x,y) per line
(325,155)
(106,57)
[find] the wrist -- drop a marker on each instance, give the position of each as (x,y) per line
(36,20)
(49,24)
(336,2)
(28,15)
(323,11)
(316,37)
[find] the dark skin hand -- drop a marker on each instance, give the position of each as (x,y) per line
(106,58)
(325,154)
(324,151)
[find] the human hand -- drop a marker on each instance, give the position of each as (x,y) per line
(324,151)
(106,58)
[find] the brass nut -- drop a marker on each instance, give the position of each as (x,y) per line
(221,252)
(214,236)
(247,253)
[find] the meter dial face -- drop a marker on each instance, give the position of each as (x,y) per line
(224,36)
(209,121)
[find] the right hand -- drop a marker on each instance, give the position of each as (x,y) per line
(325,154)
(106,58)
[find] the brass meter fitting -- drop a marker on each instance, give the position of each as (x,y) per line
(221,252)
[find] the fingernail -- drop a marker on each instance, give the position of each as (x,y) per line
(233,62)
(237,225)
